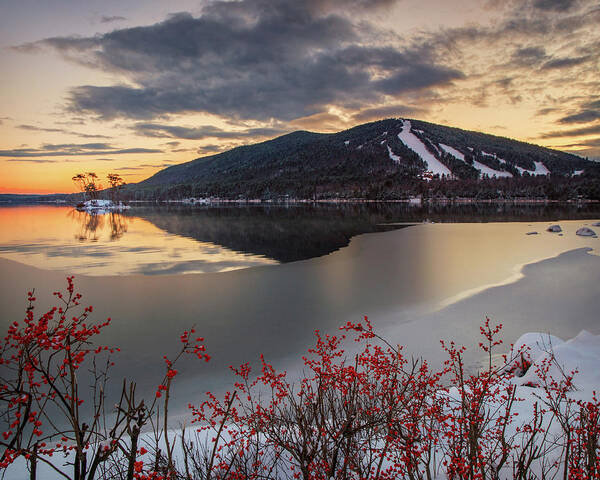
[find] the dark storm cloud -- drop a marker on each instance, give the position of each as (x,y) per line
(199,133)
(72,149)
(417,77)
(253,59)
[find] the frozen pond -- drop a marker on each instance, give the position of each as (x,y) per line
(308,269)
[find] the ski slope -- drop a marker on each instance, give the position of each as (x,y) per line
(483,169)
(412,141)
(540,169)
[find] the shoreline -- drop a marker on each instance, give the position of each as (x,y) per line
(512,279)
(538,301)
(299,201)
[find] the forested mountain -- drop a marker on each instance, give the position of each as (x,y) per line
(388,159)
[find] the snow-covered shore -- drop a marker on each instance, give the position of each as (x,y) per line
(580,354)
(100,206)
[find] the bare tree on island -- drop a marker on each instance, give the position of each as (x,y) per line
(88,184)
(116,183)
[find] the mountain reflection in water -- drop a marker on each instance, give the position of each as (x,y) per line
(299,232)
(279,233)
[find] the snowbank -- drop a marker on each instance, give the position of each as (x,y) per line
(580,354)
(527,349)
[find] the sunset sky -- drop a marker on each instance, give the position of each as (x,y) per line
(133,86)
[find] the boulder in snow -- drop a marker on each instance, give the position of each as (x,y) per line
(531,233)
(527,349)
(585,232)
(554,229)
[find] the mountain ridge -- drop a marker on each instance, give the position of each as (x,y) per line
(387,154)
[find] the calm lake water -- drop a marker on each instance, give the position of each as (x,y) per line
(262,279)
(176,240)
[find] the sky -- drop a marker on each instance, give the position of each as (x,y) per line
(131,87)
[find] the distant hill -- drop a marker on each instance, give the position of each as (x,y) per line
(390,158)
(24,199)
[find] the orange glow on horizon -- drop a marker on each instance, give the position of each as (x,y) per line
(58,181)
